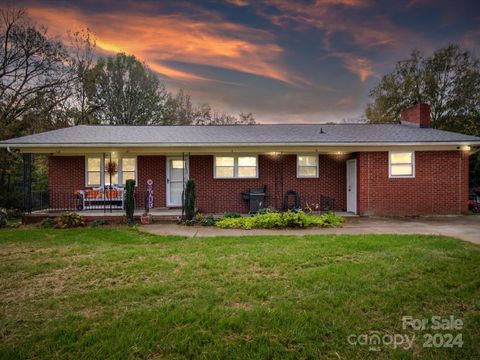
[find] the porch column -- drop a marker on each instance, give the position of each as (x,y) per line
(27,182)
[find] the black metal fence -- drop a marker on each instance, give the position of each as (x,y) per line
(67,201)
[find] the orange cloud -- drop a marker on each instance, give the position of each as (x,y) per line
(239,2)
(358,65)
(174,38)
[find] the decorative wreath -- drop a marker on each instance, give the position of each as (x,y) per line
(111,167)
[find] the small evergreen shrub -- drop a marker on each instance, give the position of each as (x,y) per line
(129,200)
(189,222)
(97,223)
(208,220)
(47,223)
(330,219)
(295,219)
(69,220)
(231,214)
(190,200)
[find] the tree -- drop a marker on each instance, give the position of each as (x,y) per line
(179,110)
(82,46)
(448,80)
(35,84)
(32,65)
(222,118)
(128,92)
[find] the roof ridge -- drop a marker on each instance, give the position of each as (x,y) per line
(236,125)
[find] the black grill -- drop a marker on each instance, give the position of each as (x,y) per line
(256,199)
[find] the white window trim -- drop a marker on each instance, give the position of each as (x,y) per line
(298,167)
(235,166)
(120,172)
(93,156)
(390,165)
(102,169)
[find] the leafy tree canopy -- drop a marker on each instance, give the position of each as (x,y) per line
(448,80)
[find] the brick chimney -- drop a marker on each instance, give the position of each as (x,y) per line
(418,115)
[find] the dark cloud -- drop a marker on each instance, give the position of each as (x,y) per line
(287,61)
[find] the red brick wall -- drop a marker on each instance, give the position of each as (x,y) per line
(151,167)
(331,181)
(219,195)
(66,174)
(277,173)
(440,185)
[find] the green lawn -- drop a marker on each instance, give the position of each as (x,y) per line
(118,293)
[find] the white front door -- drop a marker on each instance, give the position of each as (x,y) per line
(352,186)
(177,175)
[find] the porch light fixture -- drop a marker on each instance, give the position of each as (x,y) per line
(466,148)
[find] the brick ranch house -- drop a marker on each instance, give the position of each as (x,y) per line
(367,169)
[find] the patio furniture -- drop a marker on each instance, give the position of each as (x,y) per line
(98,198)
(327,203)
(256,199)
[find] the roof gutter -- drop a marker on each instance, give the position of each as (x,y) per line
(165,145)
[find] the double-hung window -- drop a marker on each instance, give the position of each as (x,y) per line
(94,171)
(231,167)
(129,166)
(307,166)
(116,170)
(401,164)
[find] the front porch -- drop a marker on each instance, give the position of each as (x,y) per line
(314,182)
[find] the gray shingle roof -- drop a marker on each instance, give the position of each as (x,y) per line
(86,135)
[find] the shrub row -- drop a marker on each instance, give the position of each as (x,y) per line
(289,219)
(69,220)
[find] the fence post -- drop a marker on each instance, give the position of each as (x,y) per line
(27,182)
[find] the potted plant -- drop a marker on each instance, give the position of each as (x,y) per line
(146,218)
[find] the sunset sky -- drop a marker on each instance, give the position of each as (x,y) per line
(286,61)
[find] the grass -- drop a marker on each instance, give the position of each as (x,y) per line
(119,293)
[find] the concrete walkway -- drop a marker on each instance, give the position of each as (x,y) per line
(462,227)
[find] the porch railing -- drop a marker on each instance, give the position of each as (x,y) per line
(69,201)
